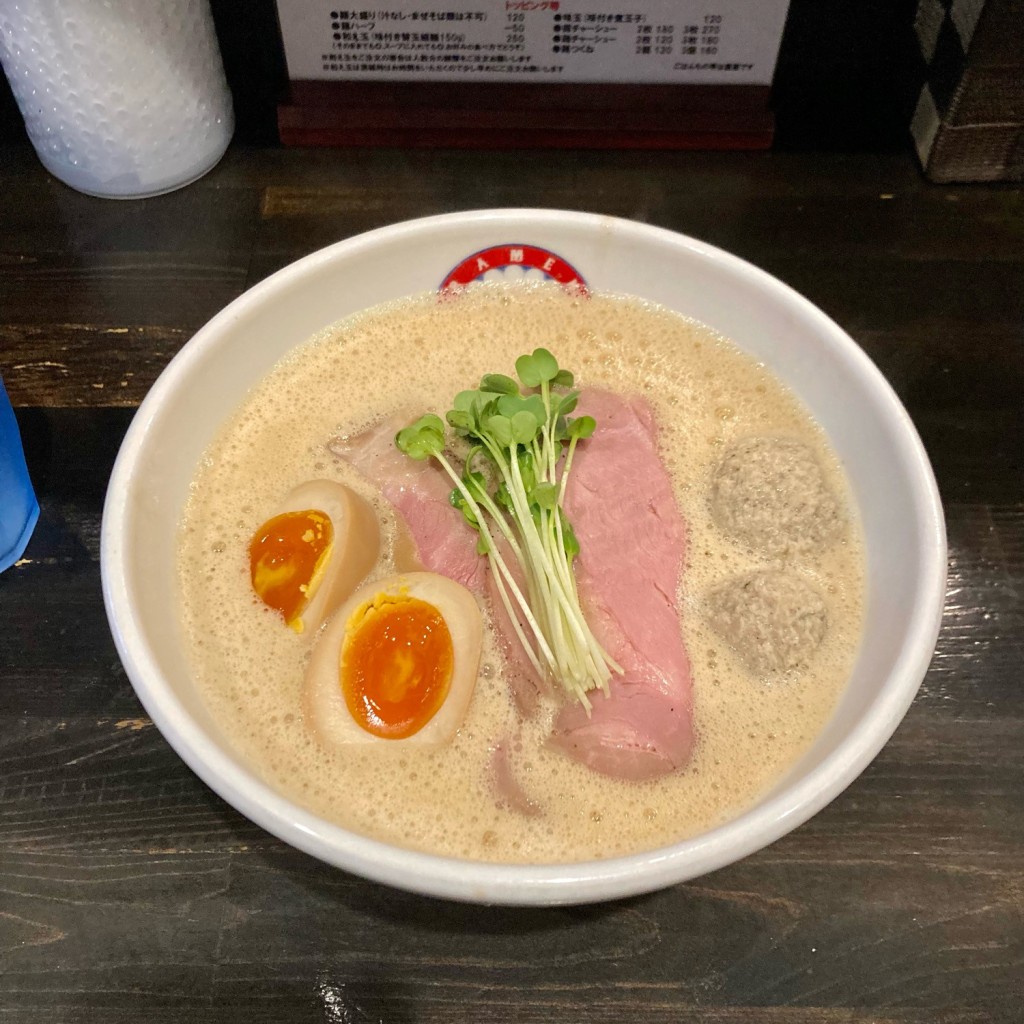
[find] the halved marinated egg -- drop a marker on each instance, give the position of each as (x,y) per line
(397,663)
(313,551)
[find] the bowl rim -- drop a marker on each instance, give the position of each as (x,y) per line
(518,884)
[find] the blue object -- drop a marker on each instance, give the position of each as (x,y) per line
(19,509)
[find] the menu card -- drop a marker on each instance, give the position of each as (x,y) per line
(713,42)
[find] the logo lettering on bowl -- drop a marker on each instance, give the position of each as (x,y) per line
(515,258)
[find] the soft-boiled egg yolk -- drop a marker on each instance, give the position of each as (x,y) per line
(308,557)
(397,664)
(286,558)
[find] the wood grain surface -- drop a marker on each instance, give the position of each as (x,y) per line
(129,891)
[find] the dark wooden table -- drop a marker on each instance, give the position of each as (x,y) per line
(128,891)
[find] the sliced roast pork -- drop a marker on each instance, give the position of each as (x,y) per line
(632,541)
(632,544)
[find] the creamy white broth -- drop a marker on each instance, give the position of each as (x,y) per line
(249,666)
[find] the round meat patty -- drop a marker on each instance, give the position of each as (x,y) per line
(770,494)
(773,620)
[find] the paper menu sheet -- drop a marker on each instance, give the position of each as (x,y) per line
(712,42)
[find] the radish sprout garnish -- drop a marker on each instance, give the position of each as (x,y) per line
(511,492)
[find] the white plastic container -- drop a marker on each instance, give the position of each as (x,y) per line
(121,98)
(889,474)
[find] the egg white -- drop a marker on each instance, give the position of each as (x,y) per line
(354,549)
(325,708)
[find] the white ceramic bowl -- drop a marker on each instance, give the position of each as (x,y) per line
(872,434)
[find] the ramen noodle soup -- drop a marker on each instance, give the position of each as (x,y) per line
(759,698)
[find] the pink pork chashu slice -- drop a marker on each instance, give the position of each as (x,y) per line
(632,541)
(632,545)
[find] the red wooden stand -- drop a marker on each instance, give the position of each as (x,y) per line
(499,115)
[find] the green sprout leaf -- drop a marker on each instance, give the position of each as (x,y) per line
(422,439)
(566,403)
(476,484)
(503,498)
(545,495)
(500,428)
(539,368)
(499,384)
(527,469)
(510,405)
(459,420)
(456,500)
(524,427)
(570,544)
(582,427)
(465,401)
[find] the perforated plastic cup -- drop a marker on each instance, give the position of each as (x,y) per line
(122,99)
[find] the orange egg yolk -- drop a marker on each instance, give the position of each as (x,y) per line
(396,665)
(287,556)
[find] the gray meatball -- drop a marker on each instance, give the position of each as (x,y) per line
(770,494)
(773,620)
